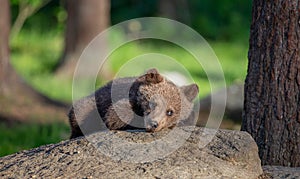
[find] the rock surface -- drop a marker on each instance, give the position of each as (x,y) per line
(184,152)
(280,172)
(233,105)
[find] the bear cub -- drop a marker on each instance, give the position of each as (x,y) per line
(149,102)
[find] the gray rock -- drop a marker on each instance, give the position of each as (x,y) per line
(184,152)
(234,101)
(234,96)
(280,172)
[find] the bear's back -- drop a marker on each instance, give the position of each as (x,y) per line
(112,92)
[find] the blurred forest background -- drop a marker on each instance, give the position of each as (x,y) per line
(39,47)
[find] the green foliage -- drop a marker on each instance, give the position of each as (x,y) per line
(26,136)
(128,9)
(213,19)
(34,3)
(222,19)
(51,17)
(34,55)
(232,57)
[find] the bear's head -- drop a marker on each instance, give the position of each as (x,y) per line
(162,103)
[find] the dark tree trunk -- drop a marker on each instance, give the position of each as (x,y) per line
(19,101)
(272,89)
(86,19)
(4,38)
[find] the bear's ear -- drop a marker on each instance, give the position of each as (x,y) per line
(151,76)
(190,91)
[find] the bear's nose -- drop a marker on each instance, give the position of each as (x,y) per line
(153,124)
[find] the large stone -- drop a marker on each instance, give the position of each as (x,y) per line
(184,152)
(281,172)
(233,106)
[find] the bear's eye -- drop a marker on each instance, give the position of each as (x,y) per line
(169,112)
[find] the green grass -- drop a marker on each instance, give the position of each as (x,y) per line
(35,55)
(231,56)
(18,137)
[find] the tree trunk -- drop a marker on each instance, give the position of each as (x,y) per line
(272,88)
(86,19)
(4,49)
(18,101)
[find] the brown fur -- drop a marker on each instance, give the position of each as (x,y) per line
(148,102)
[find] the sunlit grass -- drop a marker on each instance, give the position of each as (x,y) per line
(26,136)
(231,56)
(35,55)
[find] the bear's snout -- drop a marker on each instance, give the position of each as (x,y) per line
(151,126)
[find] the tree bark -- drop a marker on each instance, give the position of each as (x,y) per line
(272,89)
(86,19)
(19,101)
